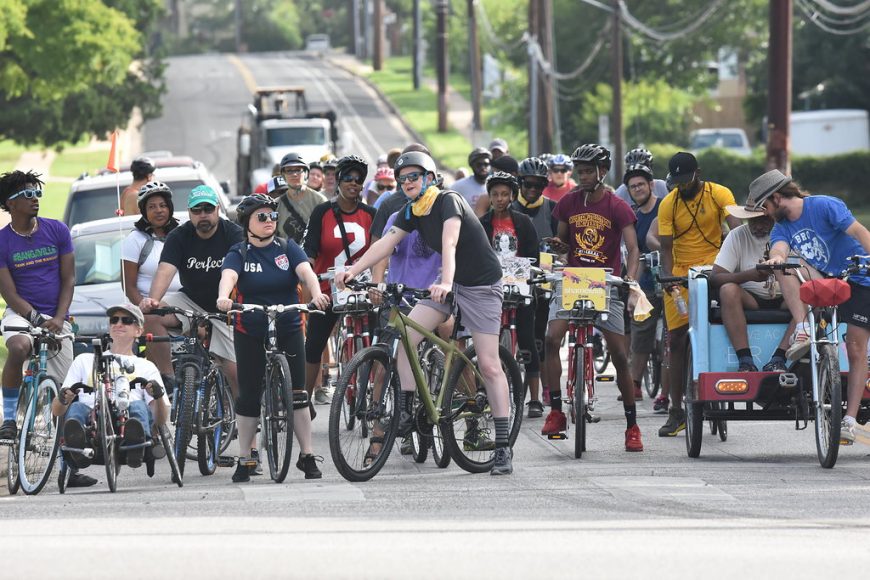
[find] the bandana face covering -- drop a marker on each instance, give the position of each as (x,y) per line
(530,204)
(422,205)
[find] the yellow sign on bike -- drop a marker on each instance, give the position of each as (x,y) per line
(584,284)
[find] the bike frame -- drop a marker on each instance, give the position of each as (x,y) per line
(580,330)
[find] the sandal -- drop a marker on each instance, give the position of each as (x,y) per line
(371,455)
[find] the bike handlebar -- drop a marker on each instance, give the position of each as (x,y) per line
(395,289)
(39,331)
(310,308)
(678,280)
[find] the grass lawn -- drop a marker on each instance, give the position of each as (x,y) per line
(72,163)
(9,154)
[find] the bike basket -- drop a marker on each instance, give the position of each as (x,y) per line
(825,292)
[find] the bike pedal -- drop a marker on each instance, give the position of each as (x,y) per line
(9,442)
(557,436)
(788,380)
(227,461)
(605,378)
(590,418)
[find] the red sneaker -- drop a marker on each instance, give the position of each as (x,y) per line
(632,439)
(556,423)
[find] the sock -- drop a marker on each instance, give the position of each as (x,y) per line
(744,353)
(556,401)
(778,353)
(630,415)
(10,401)
(502,430)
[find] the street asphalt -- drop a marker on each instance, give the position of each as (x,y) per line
(757,505)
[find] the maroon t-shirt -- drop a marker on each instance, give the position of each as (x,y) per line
(594,231)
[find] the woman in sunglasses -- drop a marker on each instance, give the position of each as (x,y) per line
(338,233)
(265,270)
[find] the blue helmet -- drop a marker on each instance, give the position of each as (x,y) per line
(560,160)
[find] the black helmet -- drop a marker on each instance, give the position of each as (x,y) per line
(151,189)
(639,156)
(252,203)
(533,167)
(349,162)
(591,153)
(329,163)
(142,167)
(502,178)
(415,159)
(479,153)
(314,165)
(637,170)
(293,160)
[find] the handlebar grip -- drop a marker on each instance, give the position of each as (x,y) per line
(151,338)
(162,311)
(681,280)
(237,306)
(770,267)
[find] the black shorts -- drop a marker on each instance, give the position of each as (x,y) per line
(767,303)
(855,310)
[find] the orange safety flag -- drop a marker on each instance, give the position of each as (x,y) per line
(112,164)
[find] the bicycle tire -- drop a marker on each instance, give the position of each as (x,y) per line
(62,477)
(433,361)
(652,376)
(474,454)
(108,440)
(376,403)
(694,411)
(278,418)
(209,422)
(343,359)
(166,440)
(602,358)
(829,410)
(579,402)
(228,428)
(186,406)
(13,481)
(38,442)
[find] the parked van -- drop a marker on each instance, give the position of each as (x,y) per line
(829,132)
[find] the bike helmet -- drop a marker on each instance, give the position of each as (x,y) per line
(329,163)
(478,154)
(637,170)
(142,167)
(315,165)
(293,160)
(560,160)
(416,159)
(592,153)
(502,178)
(350,162)
(532,167)
(250,204)
(639,156)
(385,173)
(151,189)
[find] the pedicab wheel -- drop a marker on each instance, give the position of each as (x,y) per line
(579,402)
(723,430)
(62,477)
(694,411)
(169,447)
(829,409)
(108,440)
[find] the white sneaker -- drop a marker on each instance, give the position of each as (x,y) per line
(322,397)
(800,344)
(847,432)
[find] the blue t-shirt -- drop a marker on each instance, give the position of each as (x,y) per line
(267,277)
(641,226)
(382,199)
(819,236)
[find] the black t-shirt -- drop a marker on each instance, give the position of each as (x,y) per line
(199,261)
(388,207)
(476,263)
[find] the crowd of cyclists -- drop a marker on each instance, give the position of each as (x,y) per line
(404,224)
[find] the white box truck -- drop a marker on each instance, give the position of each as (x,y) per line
(829,132)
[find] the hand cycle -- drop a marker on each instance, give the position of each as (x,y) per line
(33,452)
(652,375)
(109,416)
(202,405)
(580,383)
(459,405)
(279,399)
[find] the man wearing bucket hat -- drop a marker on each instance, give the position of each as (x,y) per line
(742,287)
(823,231)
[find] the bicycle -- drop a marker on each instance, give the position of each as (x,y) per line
(202,404)
(652,376)
(279,400)
(32,454)
(461,412)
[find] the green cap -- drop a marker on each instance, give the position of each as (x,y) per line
(202,194)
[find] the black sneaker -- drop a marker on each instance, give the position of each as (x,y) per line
(258,467)
(676,422)
(243,470)
(502,461)
(308,464)
(406,424)
(8,431)
(77,479)
(134,434)
(536,410)
(747,367)
(775,365)
(74,436)
(407,446)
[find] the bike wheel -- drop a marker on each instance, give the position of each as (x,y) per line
(277,418)
(186,393)
(353,451)
(228,424)
(694,411)
(601,356)
(468,427)
(346,352)
(169,447)
(579,401)
(652,376)
(62,477)
(13,479)
(433,363)
(109,442)
(38,442)
(829,407)
(210,415)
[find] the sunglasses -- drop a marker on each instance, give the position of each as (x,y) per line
(207,208)
(265,216)
(534,184)
(125,320)
(409,177)
(349,178)
(384,187)
(559,170)
(27,193)
(293,171)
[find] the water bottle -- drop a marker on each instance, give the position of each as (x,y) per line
(682,308)
(122,393)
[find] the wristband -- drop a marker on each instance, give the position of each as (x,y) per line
(35,318)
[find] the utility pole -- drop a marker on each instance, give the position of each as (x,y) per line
(545,103)
(378,26)
(474,67)
(533,78)
(418,45)
(237,9)
(616,122)
(779,58)
(357,32)
(442,63)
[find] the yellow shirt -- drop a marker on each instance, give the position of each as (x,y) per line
(696,225)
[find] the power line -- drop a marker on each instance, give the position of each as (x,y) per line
(491,36)
(844,10)
(815,17)
(841,21)
(660,36)
(550,71)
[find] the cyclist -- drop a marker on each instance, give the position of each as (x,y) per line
(195,251)
(142,169)
(638,181)
(593,223)
(498,148)
(265,270)
(532,174)
(469,268)
(474,186)
(140,252)
(295,206)
(823,231)
(513,235)
(338,233)
(315,175)
(383,185)
(560,167)
(276,187)
(643,157)
(148,401)
(504,164)
(690,231)
(329,163)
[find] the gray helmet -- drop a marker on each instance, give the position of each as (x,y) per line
(639,156)
(251,203)
(533,167)
(637,170)
(415,159)
(151,189)
(293,160)
(502,178)
(477,154)
(592,153)
(349,162)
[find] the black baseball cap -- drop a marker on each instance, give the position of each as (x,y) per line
(682,167)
